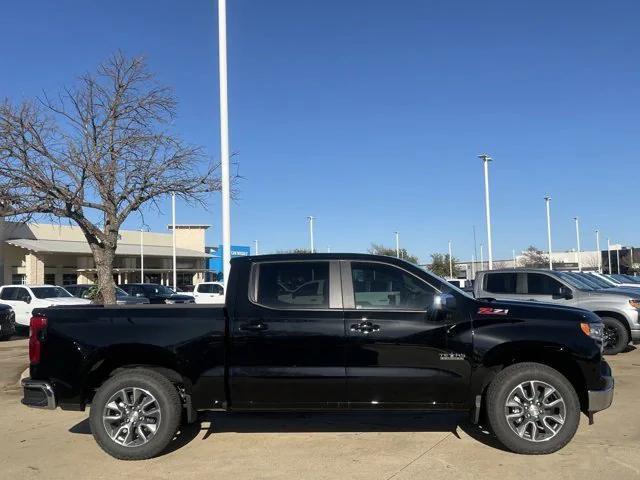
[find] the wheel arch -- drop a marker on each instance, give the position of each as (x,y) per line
(617,315)
(551,355)
(117,359)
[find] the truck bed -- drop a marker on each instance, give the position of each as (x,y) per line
(84,343)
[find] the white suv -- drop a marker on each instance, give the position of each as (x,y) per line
(24,298)
(209,292)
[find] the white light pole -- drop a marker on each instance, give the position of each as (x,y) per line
(481,256)
(578,242)
(450,261)
(618,258)
(142,255)
(310,218)
(255,243)
(473,266)
(173,232)
(485,160)
(547,200)
(397,244)
(514,258)
(609,255)
(224,140)
(599,252)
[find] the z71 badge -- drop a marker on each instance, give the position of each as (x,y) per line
(492,311)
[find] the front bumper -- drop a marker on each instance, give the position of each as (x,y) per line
(38,394)
(635,336)
(601,399)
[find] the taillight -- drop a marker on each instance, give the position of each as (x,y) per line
(37,330)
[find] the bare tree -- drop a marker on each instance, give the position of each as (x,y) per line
(534,258)
(96,153)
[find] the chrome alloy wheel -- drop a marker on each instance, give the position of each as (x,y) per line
(535,411)
(131,417)
(609,337)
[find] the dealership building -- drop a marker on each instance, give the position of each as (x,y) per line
(58,254)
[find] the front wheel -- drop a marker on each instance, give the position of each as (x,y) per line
(135,414)
(532,408)
(615,336)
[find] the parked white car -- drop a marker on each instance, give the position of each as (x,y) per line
(24,298)
(209,292)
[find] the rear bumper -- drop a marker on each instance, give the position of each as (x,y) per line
(601,399)
(38,394)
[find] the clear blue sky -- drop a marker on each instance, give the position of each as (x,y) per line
(369,114)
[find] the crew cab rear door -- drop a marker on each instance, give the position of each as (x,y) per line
(401,351)
(287,338)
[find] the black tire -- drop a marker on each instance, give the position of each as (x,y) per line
(168,402)
(505,382)
(617,332)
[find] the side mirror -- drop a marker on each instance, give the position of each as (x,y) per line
(565,292)
(27,299)
(444,301)
(139,295)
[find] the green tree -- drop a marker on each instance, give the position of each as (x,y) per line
(440,265)
(378,249)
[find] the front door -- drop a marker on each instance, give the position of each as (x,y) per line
(399,349)
(288,340)
(541,287)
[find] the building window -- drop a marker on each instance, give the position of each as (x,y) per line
(18,279)
(69,279)
(50,278)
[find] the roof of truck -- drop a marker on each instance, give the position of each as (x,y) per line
(322,256)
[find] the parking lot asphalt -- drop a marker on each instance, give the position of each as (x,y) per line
(400,446)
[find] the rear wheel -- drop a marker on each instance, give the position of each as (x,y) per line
(615,336)
(532,409)
(135,414)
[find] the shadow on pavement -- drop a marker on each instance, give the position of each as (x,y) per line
(212,423)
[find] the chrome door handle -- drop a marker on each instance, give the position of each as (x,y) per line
(253,327)
(365,327)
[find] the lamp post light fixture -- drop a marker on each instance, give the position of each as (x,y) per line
(397,244)
(255,247)
(609,255)
(485,160)
(547,200)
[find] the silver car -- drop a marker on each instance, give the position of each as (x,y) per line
(618,308)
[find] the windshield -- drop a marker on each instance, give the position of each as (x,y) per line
(613,280)
(50,292)
(589,280)
(633,279)
(575,281)
(121,293)
(596,280)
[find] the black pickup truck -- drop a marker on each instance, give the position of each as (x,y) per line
(321,332)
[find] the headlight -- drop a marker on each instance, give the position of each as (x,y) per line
(171,302)
(634,303)
(594,330)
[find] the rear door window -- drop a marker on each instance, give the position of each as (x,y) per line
(293,285)
(501,282)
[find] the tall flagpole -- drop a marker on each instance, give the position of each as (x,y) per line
(224,139)
(173,215)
